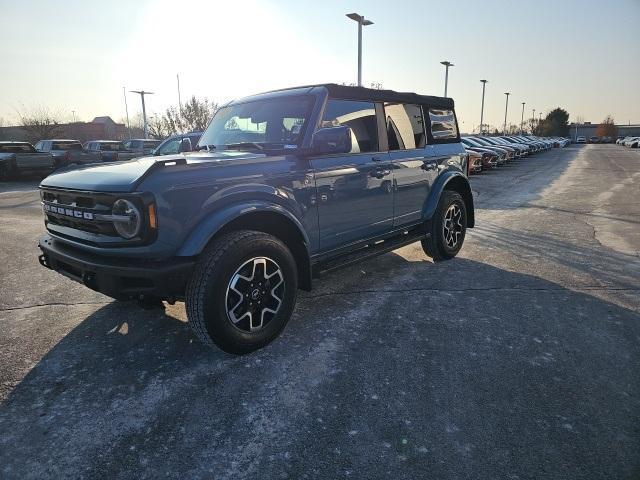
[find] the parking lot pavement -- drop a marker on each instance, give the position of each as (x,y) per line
(518,359)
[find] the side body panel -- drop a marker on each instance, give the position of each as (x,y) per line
(354,197)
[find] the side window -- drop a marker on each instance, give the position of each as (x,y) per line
(405,126)
(360,117)
(443,124)
(38,146)
(171,147)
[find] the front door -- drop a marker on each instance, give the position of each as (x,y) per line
(354,190)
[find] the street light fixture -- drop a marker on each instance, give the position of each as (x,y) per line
(142,93)
(522,120)
(533,120)
(447,64)
(504,130)
(484,84)
(361,22)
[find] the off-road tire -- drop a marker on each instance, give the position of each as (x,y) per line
(435,245)
(207,289)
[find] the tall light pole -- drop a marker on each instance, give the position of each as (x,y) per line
(142,93)
(484,84)
(533,119)
(522,120)
(361,22)
(504,130)
(179,99)
(126,109)
(447,64)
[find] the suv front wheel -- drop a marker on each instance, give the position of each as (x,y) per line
(448,227)
(242,293)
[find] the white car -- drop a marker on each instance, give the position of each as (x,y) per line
(581,139)
(631,142)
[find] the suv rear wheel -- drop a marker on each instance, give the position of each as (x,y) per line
(448,227)
(242,293)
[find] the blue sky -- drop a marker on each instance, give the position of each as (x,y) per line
(77,55)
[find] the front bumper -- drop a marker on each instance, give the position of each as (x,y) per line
(118,278)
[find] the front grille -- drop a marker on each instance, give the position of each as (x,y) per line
(78,210)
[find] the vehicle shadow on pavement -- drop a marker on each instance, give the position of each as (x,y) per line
(457,369)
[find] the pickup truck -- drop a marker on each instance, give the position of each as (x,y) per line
(65,152)
(283,187)
(107,150)
(22,158)
(138,147)
(114,150)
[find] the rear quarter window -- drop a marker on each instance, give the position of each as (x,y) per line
(444,127)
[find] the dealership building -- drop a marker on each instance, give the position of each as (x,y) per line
(588,129)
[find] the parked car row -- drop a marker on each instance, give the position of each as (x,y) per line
(596,139)
(18,158)
(486,153)
(631,142)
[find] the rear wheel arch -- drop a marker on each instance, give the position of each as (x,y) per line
(456,182)
(461,185)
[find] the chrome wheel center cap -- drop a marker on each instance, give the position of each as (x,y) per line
(255,294)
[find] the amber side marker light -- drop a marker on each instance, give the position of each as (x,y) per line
(153,220)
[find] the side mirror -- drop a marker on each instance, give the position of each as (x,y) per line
(185,145)
(331,140)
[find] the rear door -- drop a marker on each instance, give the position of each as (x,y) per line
(354,190)
(414,169)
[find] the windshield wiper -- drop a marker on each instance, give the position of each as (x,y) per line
(205,147)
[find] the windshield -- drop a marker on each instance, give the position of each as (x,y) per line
(275,123)
(471,142)
(66,146)
(113,147)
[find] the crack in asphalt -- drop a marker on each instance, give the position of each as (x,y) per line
(55,304)
(481,289)
(403,290)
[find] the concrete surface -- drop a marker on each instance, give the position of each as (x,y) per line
(519,359)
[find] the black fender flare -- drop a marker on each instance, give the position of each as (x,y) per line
(450,180)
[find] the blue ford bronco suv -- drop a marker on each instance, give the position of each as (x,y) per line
(281,187)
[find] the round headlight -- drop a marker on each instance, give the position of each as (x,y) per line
(128,226)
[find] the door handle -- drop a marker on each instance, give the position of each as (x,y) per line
(377,159)
(380,172)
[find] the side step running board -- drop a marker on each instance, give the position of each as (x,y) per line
(369,251)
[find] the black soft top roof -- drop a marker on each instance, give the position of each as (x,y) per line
(362,93)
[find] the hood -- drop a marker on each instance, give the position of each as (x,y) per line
(125,176)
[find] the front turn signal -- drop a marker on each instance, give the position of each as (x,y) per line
(153,220)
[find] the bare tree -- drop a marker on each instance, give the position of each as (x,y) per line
(193,116)
(607,128)
(39,123)
(158,127)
